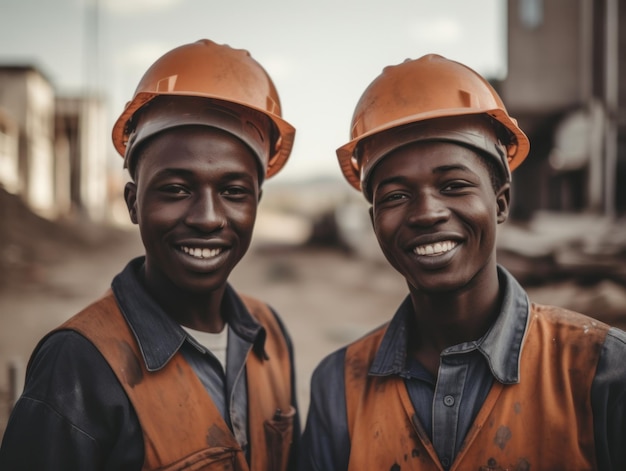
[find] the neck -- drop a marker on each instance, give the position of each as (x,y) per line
(449,318)
(199,311)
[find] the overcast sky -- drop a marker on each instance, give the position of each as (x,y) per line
(321,54)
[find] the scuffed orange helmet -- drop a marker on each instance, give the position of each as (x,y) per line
(205,69)
(419,90)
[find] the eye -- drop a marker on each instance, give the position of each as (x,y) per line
(457,186)
(236,191)
(395,197)
(174,189)
(391,197)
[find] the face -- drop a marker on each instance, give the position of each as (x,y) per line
(195,199)
(435,214)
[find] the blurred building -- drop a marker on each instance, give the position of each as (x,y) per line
(27,98)
(80,148)
(52,149)
(9,162)
(566,85)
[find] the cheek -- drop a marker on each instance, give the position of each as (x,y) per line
(386,229)
(388,221)
(242,217)
(154,214)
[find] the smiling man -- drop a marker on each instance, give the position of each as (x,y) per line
(172,368)
(468,374)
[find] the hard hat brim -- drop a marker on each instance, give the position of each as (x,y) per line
(350,166)
(279,154)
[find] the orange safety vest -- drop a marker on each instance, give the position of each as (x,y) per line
(544,422)
(182,427)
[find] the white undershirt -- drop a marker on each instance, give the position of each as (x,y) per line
(215,343)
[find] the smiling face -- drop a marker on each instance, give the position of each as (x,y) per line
(195,200)
(435,214)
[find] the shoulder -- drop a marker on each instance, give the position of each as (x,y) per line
(62,349)
(70,376)
(330,369)
(65,361)
(612,356)
(569,322)
(260,310)
(561,315)
(333,365)
(617,338)
(366,347)
(73,411)
(266,315)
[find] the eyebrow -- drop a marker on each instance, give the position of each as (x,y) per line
(450,168)
(175,171)
(190,174)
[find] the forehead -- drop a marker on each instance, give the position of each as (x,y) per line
(200,147)
(428,158)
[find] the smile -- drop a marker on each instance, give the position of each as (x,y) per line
(197,252)
(435,249)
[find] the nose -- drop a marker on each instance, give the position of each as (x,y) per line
(206,213)
(428,209)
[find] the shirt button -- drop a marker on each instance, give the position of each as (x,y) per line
(445,462)
(448,401)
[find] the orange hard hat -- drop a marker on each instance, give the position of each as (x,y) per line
(218,72)
(427,88)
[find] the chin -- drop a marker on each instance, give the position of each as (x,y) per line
(439,283)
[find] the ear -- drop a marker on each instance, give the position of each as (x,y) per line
(130,195)
(371,211)
(503,201)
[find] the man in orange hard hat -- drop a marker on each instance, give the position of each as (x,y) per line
(172,368)
(468,374)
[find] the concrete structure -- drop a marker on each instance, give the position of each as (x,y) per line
(53,150)
(566,85)
(27,97)
(9,159)
(81,154)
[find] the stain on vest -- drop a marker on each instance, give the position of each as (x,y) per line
(492,465)
(503,435)
(133,372)
(216,437)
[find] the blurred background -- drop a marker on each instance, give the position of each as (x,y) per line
(68,67)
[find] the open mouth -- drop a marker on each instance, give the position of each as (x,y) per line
(198,252)
(438,248)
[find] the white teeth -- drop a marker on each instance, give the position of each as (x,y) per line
(197,252)
(437,248)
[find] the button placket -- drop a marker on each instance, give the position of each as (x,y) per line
(446,407)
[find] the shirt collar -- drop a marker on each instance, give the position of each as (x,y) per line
(501,345)
(158,336)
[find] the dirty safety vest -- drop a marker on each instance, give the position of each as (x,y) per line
(543,423)
(182,427)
